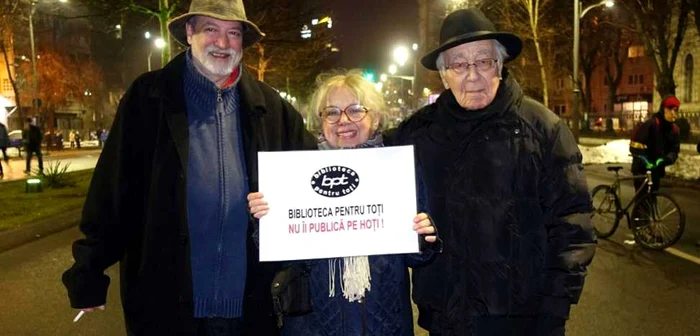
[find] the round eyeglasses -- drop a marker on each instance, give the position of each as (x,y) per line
(354,113)
(481,65)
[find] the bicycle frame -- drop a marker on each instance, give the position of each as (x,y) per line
(637,194)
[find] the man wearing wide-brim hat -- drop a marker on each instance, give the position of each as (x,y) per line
(168,195)
(505,186)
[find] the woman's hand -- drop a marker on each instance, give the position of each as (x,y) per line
(422,226)
(257,205)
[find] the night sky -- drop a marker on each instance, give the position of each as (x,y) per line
(368,30)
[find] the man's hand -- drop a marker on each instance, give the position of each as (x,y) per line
(257,205)
(92,309)
(423,226)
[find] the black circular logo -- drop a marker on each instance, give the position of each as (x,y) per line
(335,181)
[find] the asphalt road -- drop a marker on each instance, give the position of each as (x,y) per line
(688,198)
(629,291)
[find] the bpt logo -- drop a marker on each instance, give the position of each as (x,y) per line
(335,181)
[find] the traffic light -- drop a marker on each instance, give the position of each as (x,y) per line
(369,75)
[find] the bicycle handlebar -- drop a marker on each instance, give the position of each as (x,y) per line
(649,165)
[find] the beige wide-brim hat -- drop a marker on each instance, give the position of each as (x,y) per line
(226,10)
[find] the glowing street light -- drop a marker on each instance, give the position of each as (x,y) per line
(159,43)
(383,77)
(392,69)
(401,55)
(578,15)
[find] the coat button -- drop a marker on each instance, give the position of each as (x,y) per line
(183,239)
(516,131)
(181,299)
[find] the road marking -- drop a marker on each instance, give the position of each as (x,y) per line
(683,255)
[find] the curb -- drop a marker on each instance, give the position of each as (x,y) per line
(41,228)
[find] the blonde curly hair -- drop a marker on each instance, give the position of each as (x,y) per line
(361,88)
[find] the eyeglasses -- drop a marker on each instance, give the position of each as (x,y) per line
(481,65)
(332,114)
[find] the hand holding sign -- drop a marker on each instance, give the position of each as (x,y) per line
(257,205)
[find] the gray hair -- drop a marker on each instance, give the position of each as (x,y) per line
(501,56)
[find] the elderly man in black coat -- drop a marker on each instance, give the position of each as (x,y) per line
(506,188)
(168,196)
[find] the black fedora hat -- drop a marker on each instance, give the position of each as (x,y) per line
(469,25)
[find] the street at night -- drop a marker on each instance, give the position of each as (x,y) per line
(190,139)
(628,291)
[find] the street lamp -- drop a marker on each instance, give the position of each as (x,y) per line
(392,69)
(578,15)
(159,44)
(401,55)
(35,88)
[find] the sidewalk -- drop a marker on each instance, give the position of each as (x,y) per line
(80,159)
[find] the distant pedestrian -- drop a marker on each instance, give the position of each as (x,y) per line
(103,137)
(32,144)
(71,138)
(77,139)
(4,143)
(59,140)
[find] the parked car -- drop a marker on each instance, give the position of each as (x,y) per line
(16,140)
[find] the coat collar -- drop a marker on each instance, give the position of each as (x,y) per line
(168,85)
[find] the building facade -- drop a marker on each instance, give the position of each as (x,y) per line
(687,79)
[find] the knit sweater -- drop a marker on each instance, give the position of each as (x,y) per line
(216,196)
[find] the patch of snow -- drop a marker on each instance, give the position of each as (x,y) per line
(617,151)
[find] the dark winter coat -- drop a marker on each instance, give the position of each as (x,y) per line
(386,309)
(511,202)
(135,212)
(655,139)
(32,138)
(4,137)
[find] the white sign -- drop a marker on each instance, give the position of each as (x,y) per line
(337,203)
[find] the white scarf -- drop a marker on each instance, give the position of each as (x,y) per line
(355,274)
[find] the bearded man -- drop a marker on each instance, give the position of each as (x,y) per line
(168,195)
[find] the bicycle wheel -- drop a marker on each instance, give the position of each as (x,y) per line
(657,221)
(606,207)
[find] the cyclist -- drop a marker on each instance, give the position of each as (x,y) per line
(655,143)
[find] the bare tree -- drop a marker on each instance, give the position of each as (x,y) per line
(283,58)
(661,25)
(162,10)
(9,10)
(531,11)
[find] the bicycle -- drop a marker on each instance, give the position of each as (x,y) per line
(657,221)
